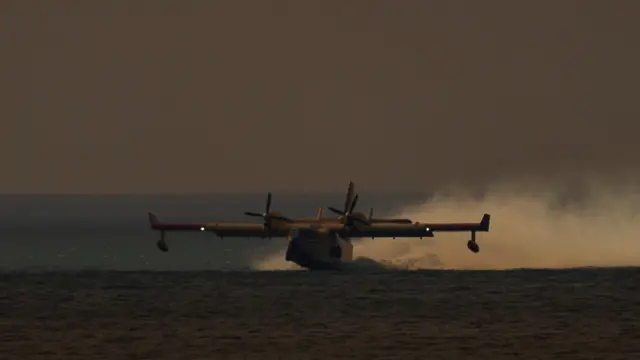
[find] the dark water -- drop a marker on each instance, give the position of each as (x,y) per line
(64,293)
(112,232)
(526,314)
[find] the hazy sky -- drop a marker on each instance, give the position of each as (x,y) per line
(204,96)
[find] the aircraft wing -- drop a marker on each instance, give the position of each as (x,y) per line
(376,230)
(221,229)
(248,230)
(405,230)
(387,230)
(483,225)
(390,221)
(173,226)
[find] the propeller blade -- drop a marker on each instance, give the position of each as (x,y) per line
(348,200)
(364,222)
(353,204)
(253,214)
(268,203)
(336,210)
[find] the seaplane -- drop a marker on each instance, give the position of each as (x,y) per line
(322,243)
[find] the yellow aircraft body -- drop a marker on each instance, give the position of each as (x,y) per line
(321,243)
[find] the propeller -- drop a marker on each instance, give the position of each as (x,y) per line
(266,215)
(348,211)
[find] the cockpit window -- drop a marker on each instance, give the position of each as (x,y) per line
(294,233)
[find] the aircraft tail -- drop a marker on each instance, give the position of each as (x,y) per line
(319,214)
(371,214)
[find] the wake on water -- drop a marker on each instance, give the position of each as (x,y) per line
(528,230)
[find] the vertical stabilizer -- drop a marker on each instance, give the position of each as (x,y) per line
(319,215)
(371,214)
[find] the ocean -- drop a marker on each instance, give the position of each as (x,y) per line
(82,279)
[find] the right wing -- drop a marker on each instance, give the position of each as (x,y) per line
(221,229)
(173,226)
(248,230)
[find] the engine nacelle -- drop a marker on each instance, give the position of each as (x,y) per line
(473,246)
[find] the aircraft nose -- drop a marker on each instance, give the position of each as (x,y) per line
(292,249)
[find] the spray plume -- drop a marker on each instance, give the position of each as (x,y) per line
(529,229)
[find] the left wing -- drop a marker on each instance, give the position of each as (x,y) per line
(482,226)
(378,230)
(407,230)
(387,220)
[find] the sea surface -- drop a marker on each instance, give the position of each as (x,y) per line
(81,279)
(518,314)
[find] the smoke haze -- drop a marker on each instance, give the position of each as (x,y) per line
(301,96)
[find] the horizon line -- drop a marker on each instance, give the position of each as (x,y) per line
(298,193)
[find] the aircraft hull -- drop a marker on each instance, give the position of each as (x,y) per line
(319,252)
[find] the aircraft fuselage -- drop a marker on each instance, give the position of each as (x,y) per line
(318,250)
